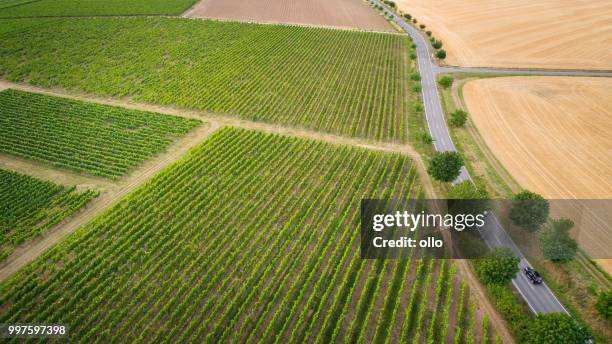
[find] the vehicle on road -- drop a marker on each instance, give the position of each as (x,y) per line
(533,275)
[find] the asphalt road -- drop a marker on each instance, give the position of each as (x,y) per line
(539,297)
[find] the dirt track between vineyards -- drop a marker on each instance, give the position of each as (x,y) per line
(552,34)
(354,14)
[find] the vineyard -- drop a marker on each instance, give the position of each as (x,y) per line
(338,81)
(28,207)
(50,8)
(97,139)
(251,237)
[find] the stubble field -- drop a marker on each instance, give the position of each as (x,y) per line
(336,13)
(553,135)
(561,34)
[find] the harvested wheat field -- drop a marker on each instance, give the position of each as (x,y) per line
(562,34)
(355,14)
(554,136)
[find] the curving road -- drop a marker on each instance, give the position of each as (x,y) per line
(539,297)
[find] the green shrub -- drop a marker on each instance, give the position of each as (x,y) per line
(422,26)
(436,44)
(445,81)
(425,138)
(555,328)
(458,118)
(468,190)
(498,267)
(529,210)
(445,166)
(441,54)
(557,245)
(604,304)
(428,33)
(415,76)
(512,311)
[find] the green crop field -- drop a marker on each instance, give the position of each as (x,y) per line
(338,81)
(29,206)
(51,8)
(251,237)
(8,25)
(97,139)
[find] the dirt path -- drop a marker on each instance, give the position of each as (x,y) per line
(31,250)
(4,85)
(56,175)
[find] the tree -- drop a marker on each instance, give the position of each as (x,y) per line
(441,54)
(499,266)
(555,328)
(445,166)
(390,3)
(428,33)
(422,26)
(604,304)
(407,16)
(445,81)
(468,190)
(436,44)
(458,118)
(557,245)
(529,210)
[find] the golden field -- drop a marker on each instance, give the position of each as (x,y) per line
(556,34)
(554,136)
